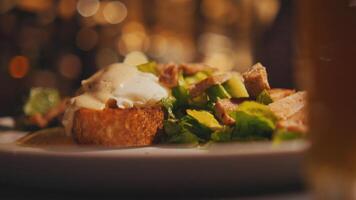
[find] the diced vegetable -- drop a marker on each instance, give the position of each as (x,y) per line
(193,126)
(181,94)
(205,118)
(190,80)
(186,130)
(253,121)
(199,101)
(149,67)
(284,135)
(41,100)
(216,92)
(184,137)
(264,98)
(235,87)
(171,127)
(222,135)
(177,133)
(168,103)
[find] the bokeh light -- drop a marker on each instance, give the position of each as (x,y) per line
(68,40)
(115,12)
(70,66)
(159,45)
(222,61)
(86,39)
(35,5)
(19,66)
(133,38)
(66,8)
(267,10)
(44,78)
(88,8)
(105,57)
(46,17)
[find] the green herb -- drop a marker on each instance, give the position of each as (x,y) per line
(264,98)
(41,100)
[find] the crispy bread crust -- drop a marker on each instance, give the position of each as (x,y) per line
(117,127)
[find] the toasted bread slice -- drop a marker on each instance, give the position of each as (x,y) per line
(117,127)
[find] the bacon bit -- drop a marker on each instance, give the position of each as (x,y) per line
(169,75)
(200,87)
(278,93)
(222,109)
(256,80)
(193,68)
(288,106)
(292,112)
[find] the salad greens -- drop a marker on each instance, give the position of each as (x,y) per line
(187,121)
(41,100)
(198,119)
(253,121)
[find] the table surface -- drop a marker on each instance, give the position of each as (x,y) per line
(8,191)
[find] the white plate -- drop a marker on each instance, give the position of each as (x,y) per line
(232,165)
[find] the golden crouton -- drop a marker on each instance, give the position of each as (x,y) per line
(117,127)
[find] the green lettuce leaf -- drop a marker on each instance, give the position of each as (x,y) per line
(185,130)
(222,135)
(254,121)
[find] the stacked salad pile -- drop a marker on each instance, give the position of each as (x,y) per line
(208,105)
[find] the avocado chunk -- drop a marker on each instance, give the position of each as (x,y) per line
(235,87)
(205,118)
(264,98)
(216,92)
(190,80)
(149,67)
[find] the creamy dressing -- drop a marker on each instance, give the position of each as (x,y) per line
(121,82)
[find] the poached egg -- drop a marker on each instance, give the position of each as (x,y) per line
(121,82)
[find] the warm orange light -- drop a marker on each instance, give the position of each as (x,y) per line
(19,66)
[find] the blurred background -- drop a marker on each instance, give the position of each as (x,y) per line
(57,43)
